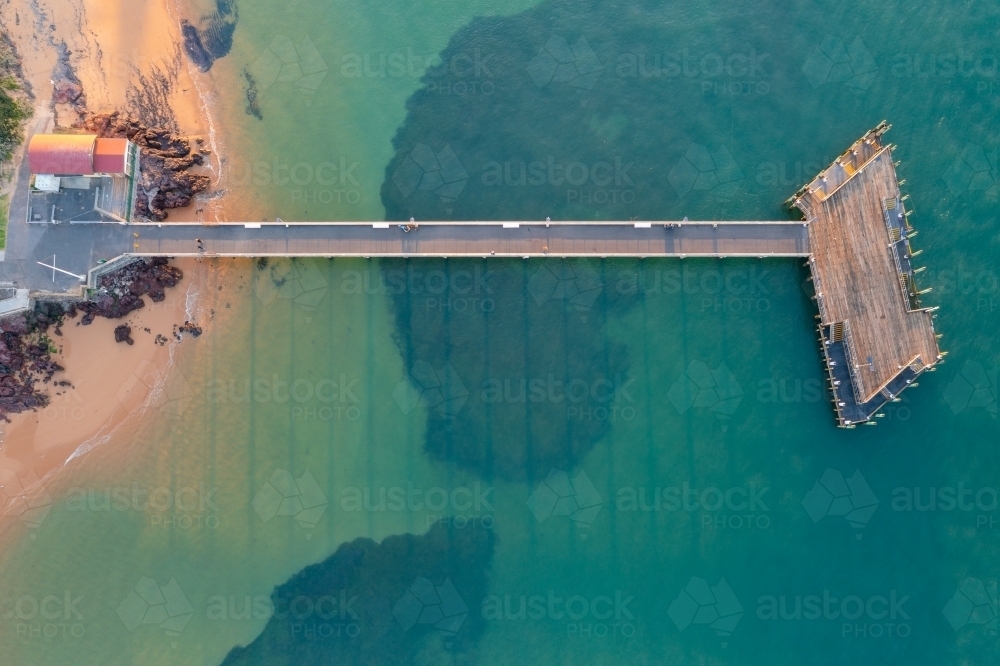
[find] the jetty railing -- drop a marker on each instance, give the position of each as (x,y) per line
(900,232)
(94,274)
(818,288)
(853,359)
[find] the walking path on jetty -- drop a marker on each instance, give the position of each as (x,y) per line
(481,239)
(79,247)
(875,336)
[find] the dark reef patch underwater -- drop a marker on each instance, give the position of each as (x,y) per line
(527,118)
(511,359)
(212,38)
(580,110)
(380,603)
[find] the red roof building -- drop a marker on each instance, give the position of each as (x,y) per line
(79,155)
(111,156)
(62,153)
(81,178)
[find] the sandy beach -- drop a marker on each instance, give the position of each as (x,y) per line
(128,57)
(113,47)
(110,381)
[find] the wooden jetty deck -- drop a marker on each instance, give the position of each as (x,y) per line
(876,336)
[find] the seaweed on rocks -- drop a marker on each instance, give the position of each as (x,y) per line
(166,158)
(26,358)
(406,597)
(66,85)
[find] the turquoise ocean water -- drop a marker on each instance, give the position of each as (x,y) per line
(559,461)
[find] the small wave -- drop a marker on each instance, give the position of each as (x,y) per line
(88,446)
(191,301)
(102,438)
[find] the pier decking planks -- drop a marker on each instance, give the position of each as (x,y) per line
(856,277)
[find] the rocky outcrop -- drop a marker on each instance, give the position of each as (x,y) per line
(26,350)
(190,328)
(123,333)
(165,181)
(66,86)
(120,293)
(26,359)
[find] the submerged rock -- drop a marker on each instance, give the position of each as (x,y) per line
(195,50)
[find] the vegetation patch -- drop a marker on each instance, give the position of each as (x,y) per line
(14,106)
(4,214)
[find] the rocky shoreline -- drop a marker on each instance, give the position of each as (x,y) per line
(165,180)
(26,350)
(120,292)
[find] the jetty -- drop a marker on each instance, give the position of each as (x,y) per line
(854,235)
(875,335)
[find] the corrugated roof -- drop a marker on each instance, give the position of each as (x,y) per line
(110,155)
(71,154)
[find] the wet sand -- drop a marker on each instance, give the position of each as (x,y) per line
(110,381)
(113,46)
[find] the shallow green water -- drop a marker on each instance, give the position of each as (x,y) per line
(675,407)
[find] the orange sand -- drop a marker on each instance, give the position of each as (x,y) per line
(109,381)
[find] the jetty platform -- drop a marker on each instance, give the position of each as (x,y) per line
(855,234)
(876,337)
